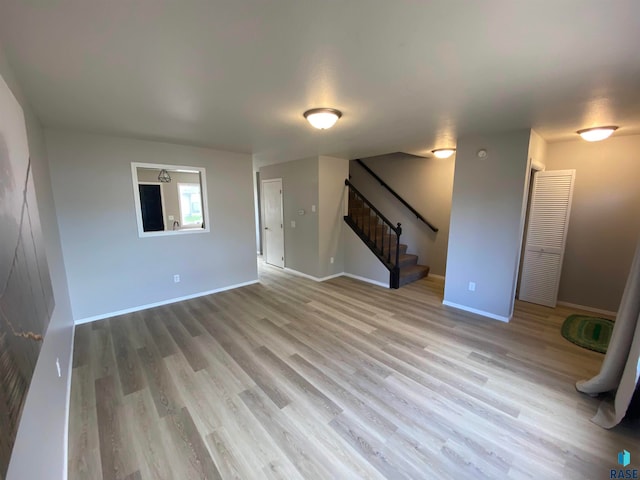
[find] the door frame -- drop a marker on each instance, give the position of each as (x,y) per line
(534,167)
(262,215)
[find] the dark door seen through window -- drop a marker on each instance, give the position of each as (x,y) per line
(151,206)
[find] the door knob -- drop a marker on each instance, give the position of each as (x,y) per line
(266,228)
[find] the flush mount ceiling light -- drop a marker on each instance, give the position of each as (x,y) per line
(164,176)
(597,133)
(322,118)
(443,152)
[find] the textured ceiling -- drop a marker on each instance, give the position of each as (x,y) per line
(408,75)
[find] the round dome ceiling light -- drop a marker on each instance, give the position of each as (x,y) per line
(443,152)
(322,118)
(597,133)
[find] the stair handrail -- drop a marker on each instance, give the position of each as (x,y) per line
(393,192)
(396,230)
(394,268)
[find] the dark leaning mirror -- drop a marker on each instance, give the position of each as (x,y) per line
(169,199)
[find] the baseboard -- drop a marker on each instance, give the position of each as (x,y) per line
(367,280)
(341,274)
(588,309)
(311,277)
(164,302)
(476,311)
(433,275)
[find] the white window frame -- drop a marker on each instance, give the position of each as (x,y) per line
(203,198)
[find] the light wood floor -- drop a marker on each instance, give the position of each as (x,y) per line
(295,379)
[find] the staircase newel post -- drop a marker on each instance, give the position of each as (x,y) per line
(399,232)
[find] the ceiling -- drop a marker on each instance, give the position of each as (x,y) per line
(408,75)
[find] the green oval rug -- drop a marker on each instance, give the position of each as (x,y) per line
(588,332)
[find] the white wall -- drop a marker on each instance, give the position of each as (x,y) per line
(487,219)
(108,266)
(605,218)
(300,192)
(537,150)
(317,236)
(426,184)
(332,172)
(360,262)
(41,444)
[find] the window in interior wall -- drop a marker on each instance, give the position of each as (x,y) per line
(180,208)
(190,204)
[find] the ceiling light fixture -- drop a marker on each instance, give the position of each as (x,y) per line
(164,176)
(443,152)
(597,133)
(322,118)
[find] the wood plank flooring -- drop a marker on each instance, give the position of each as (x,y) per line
(291,379)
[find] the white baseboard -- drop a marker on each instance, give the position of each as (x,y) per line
(163,302)
(311,277)
(476,311)
(588,309)
(341,274)
(367,280)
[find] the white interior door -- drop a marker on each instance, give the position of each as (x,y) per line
(546,236)
(273,222)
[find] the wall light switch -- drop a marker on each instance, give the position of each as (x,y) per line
(331,260)
(171,217)
(176,278)
(313,208)
(472,286)
(293,224)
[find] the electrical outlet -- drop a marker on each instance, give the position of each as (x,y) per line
(331,260)
(293,224)
(313,208)
(176,279)
(472,286)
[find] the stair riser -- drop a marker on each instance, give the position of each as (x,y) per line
(404,280)
(403,249)
(360,211)
(371,228)
(408,262)
(368,221)
(411,279)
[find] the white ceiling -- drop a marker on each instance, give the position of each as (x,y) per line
(408,75)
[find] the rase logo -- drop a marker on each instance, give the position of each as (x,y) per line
(624,459)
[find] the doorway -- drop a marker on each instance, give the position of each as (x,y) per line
(546,234)
(152,207)
(273,222)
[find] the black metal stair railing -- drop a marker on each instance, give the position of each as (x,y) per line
(376,231)
(395,194)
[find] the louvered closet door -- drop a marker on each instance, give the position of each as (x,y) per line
(546,235)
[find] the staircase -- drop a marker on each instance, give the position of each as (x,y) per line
(382,238)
